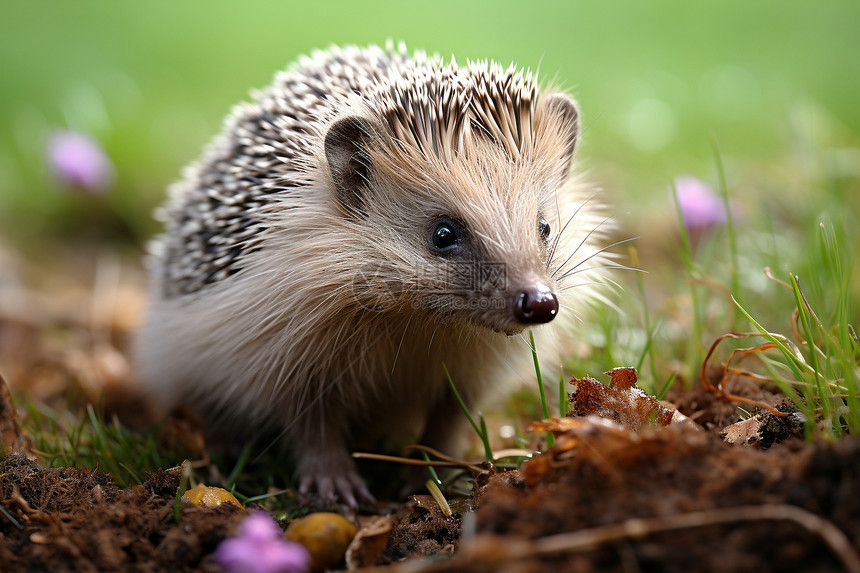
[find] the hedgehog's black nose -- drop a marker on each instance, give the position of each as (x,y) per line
(535,305)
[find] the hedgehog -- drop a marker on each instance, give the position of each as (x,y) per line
(368,222)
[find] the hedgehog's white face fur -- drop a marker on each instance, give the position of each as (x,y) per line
(464,233)
(372,216)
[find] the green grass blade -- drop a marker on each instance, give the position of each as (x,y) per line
(431,469)
(180,491)
(261,497)
(240,465)
(666,385)
(806,318)
(795,363)
(538,374)
(485,439)
(550,439)
(563,399)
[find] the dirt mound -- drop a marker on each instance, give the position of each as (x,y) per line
(673,497)
(675,473)
(73,519)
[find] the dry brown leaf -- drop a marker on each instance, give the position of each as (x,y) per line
(623,402)
(368,544)
(744,432)
(764,429)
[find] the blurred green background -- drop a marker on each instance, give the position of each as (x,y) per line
(658,82)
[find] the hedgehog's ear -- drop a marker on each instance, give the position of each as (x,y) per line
(564,110)
(349,161)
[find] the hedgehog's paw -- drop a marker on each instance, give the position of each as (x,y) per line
(347,488)
(334,481)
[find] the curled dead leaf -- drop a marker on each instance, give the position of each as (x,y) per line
(623,402)
(367,546)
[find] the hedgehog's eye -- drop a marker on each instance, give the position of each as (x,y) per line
(543,230)
(445,236)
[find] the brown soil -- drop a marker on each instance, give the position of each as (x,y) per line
(671,498)
(71,519)
(68,519)
(668,473)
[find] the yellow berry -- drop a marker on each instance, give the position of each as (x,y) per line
(325,535)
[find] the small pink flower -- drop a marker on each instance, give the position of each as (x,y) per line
(79,162)
(260,547)
(701,208)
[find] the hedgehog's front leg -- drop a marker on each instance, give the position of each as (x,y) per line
(326,469)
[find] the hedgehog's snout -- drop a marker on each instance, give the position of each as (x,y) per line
(535,305)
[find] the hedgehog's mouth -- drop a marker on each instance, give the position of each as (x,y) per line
(509,330)
(506,330)
(499,324)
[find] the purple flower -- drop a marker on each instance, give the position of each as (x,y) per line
(260,547)
(701,208)
(80,162)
